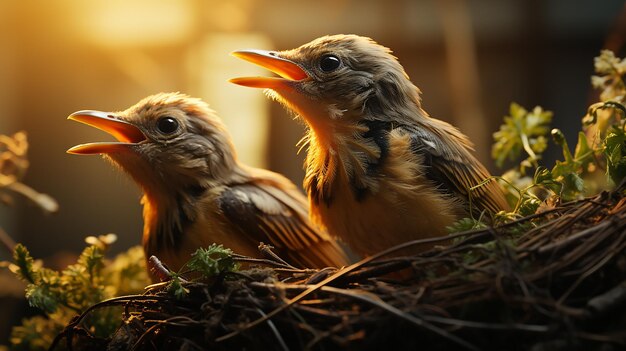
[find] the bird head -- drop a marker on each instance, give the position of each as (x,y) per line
(334,81)
(166,142)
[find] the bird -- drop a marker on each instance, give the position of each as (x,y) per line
(379,170)
(196,192)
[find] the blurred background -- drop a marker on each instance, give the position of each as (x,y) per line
(470,59)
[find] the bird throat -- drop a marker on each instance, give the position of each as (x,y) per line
(165,220)
(350,155)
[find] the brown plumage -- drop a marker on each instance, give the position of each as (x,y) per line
(379,170)
(196,192)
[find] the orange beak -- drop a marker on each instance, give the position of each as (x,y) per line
(125,133)
(288,70)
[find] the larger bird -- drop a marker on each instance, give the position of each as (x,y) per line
(197,193)
(379,170)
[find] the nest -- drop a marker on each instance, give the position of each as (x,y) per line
(551,281)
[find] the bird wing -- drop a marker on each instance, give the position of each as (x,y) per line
(455,170)
(271,210)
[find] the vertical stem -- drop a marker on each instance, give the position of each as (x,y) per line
(529,150)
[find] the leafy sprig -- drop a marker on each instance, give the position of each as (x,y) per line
(615,153)
(204,264)
(600,148)
(573,176)
(522,130)
(212,261)
(60,295)
(610,78)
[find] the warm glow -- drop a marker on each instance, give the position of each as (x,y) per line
(138,22)
(244,111)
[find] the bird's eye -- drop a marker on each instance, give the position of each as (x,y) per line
(329,63)
(167,125)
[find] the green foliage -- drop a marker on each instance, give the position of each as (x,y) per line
(610,78)
(24,264)
(600,148)
(35,333)
(60,295)
(528,206)
(521,130)
(212,261)
(567,173)
(615,153)
(208,263)
(465,224)
(176,287)
(46,296)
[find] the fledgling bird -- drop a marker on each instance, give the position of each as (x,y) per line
(379,170)
(195,190)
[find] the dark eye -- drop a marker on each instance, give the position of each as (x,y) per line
(329,63)
(167,125)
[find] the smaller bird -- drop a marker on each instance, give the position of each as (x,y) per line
(196,192)
(379,170)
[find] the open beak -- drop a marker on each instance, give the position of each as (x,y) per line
(125,133)
(286,69)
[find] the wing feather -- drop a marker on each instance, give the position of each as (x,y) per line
(265,212)
(455,170)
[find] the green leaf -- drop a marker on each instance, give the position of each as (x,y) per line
(567,173)
(83,282)
(573,186)
(583,154)
(521,130)
(46,294)
(542,175)
(615,153)
(42,297)
(546,178)
(63,294)
(539,144)
(529,206)
(92,259)
(602,116)
(176,288)
(567,176)
(24,263)
(606,62)
(537,123)
(212,261)
(465,224)
(611,72)
(562,168)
